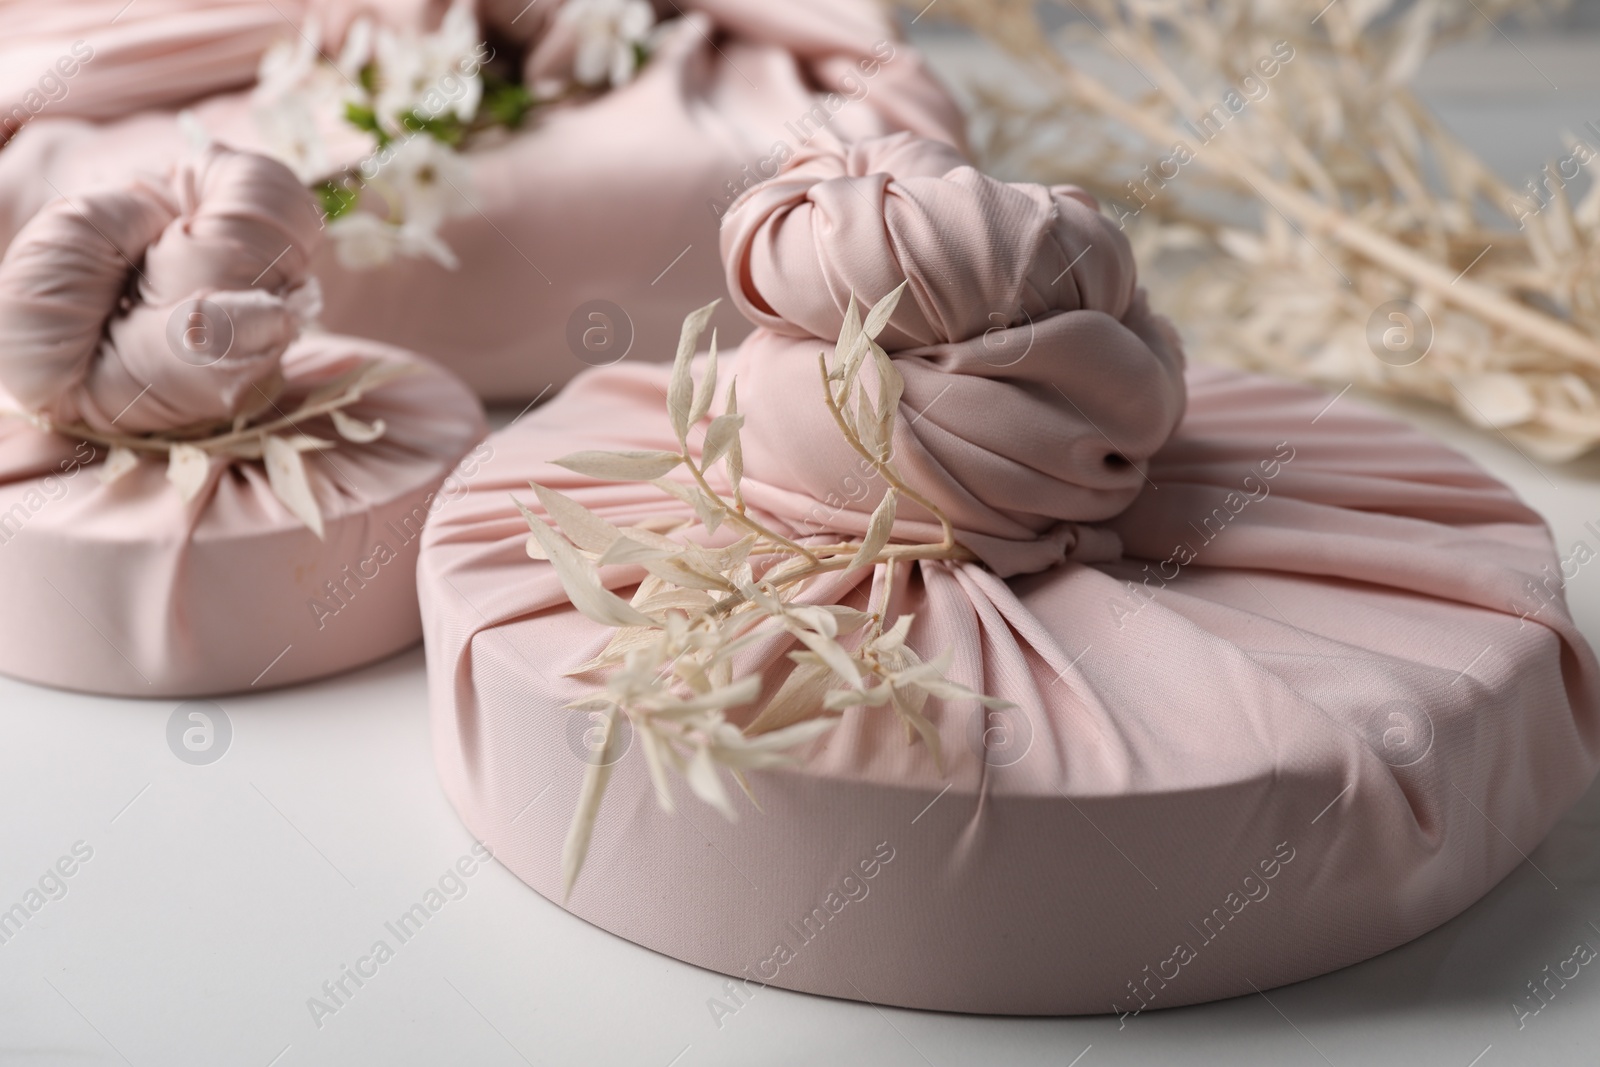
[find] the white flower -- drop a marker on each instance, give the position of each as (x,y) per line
(419,241)
(429,181)
(289,132)
(433,74)
(363,241)
(290,64)
(357,49)
(609,34)
(294,87)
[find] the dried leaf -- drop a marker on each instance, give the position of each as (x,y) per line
(924,729)
(759,751)
(596,774)
(878,317)
(655,758)
(1495,400)
(879,527)
(119,461)
(798,698)
(830,652)
(626,640)
(580,525)
(702,777)
(850,338)
(286,474)
(680,389)
(708,511)
(187,469)
(626,550)
(891,387)
(681,572)
(580,580)
(353,429)
(722,434)
(707,389)
(640,466)
(735,458)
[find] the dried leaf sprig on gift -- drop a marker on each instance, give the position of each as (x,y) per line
(1302,115)
(276,442)
(669,669)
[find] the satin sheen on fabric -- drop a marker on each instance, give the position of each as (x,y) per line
(615,199)
(123,588)
(1285,699)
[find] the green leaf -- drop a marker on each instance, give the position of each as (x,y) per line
(362,117)
(446,129)
(506,104)
(337,198)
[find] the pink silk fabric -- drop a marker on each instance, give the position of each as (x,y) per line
(123,588)
(229,237)
(615,199)
(1287,697)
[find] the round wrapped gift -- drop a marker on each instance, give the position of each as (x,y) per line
(1289,690)
(116,584)
(595,225)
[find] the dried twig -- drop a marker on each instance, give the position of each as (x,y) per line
(1383,251)
(669,667)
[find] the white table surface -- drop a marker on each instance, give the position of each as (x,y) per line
(219,898)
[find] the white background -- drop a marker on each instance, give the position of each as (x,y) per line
(219,898)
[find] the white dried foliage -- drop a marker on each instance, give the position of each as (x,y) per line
(1326,191)
(669,666)
(194,453)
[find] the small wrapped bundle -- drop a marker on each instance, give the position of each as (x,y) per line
(1180,656)
(195,497)
(575,239)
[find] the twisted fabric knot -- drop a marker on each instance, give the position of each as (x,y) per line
(159,305)
(1038,383)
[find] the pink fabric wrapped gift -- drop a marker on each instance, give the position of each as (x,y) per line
(172,310)
(595,224)
(1284,695)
